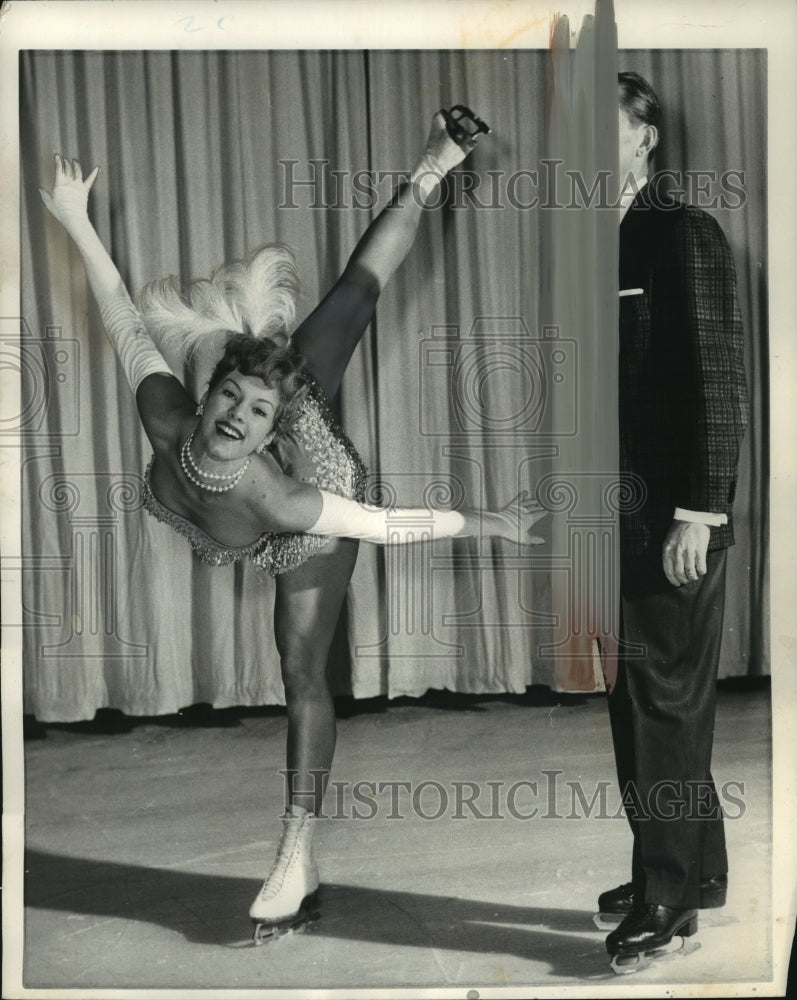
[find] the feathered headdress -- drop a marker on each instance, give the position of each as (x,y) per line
(255,294)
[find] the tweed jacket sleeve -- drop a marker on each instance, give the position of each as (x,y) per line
(699,279)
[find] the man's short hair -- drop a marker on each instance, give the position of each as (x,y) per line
(638,100)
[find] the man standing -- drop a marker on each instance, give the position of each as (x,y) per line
(683,411)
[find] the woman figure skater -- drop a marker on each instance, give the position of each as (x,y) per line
(259,469)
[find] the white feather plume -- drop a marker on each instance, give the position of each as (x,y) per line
(256,294)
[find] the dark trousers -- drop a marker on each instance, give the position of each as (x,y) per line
(662,717)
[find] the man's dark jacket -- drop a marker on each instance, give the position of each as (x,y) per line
(682,391)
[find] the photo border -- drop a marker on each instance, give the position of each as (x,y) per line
(425,24)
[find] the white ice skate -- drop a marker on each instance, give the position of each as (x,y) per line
(288,899)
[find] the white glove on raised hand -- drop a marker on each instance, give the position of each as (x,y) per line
(68,201)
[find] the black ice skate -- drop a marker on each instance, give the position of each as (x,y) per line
(648,933)
(615,903)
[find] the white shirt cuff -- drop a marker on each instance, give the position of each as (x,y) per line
(700,517)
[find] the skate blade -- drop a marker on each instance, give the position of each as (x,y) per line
(624,965)
(608,921)
(264,933)
(297,924)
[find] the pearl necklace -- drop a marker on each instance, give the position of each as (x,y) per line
(186,459)
(201,472)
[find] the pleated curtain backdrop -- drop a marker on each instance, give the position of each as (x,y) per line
(202,156)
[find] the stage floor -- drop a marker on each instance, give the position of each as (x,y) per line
(147,841)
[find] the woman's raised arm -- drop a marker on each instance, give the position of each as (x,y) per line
(68,202)
(289,505)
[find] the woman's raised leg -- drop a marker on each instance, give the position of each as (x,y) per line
(329,335)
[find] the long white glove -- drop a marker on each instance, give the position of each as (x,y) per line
(138,355)
(440,155)
(123,323)
(349,519)
(345,518)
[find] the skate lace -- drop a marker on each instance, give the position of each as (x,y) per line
(286,854)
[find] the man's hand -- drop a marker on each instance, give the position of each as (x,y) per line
(684,552)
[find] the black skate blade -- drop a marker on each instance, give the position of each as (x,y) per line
(624,965)
(295,924)
(608,921)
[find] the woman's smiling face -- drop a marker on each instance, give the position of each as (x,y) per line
(239,417)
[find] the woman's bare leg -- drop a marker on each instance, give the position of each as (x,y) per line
(306,610)
(328,337)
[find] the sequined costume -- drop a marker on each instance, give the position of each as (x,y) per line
(317,451)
